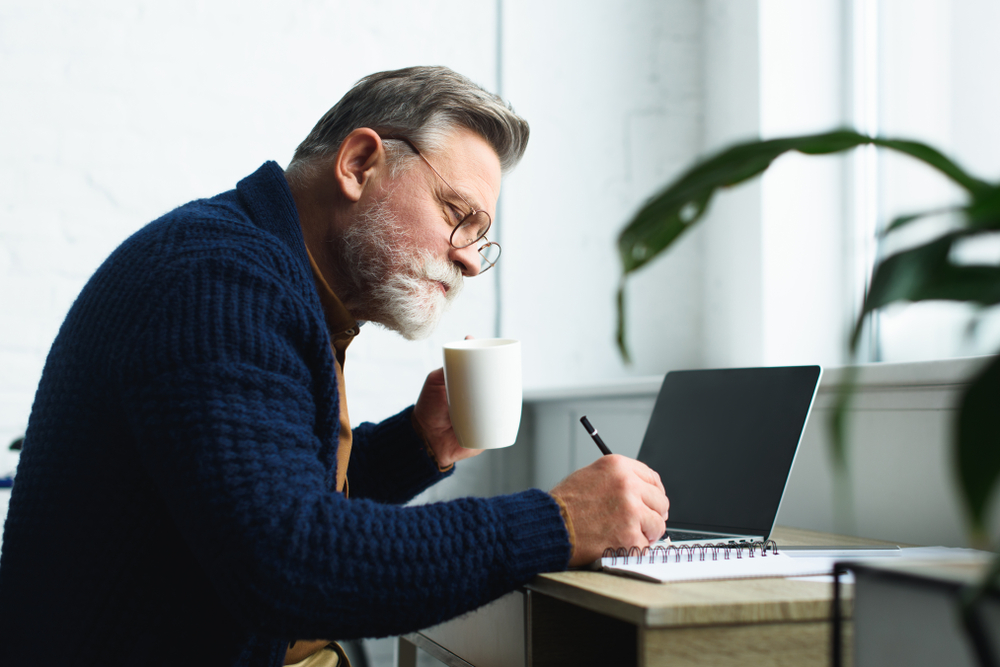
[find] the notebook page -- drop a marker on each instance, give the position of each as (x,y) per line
(771,565)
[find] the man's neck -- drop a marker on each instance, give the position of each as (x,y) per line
(318,209)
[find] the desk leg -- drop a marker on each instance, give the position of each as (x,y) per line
(406,653)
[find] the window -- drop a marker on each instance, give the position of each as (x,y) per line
(922,69)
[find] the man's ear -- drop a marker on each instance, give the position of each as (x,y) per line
(360,153)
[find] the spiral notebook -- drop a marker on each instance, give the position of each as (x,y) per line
(701,562)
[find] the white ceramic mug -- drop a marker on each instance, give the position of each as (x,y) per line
(482,377)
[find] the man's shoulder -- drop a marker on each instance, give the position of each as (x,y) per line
(227,226)
(218,219)
(261,205)
(204,230)
(212,246)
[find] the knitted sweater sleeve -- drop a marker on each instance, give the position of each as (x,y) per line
(220,393)
(390,462)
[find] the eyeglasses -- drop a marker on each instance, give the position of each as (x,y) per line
(472,227)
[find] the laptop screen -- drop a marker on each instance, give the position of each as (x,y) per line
(723,441)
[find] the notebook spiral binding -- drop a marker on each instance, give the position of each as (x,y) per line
(663,554)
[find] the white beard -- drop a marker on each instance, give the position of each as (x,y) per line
(396,283)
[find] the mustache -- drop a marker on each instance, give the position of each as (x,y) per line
(444,272)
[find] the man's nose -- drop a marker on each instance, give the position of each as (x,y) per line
(467,259)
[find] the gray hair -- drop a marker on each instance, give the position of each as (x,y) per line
(424,104)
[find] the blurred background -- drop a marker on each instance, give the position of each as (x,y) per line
(113,112)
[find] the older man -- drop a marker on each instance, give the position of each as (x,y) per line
(191,491)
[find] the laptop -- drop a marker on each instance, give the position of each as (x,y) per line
(723,442)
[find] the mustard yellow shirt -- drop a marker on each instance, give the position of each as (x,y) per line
(343,328)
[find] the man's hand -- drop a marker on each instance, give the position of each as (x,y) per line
(430,418)
(614,502)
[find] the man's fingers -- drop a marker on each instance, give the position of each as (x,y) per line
(653,526)
(648,475)
(655,500)
(649,486)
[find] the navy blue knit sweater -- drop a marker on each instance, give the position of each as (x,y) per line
(174,501)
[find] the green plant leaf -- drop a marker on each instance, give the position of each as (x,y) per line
(904,220)
(977,450)
(620,334)
(936,159)
(666,216)
(984,211)
(982,214)
(926,273)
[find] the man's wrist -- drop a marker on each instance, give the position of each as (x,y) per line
(424,438)
(564,511)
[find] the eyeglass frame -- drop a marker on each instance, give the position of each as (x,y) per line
(485,265)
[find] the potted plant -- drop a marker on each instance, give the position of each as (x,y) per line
(926,272)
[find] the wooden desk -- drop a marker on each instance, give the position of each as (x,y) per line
(593,618)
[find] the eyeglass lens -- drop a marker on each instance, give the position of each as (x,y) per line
(473,228)
(488,256)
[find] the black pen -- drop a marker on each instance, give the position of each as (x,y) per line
(593,434)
